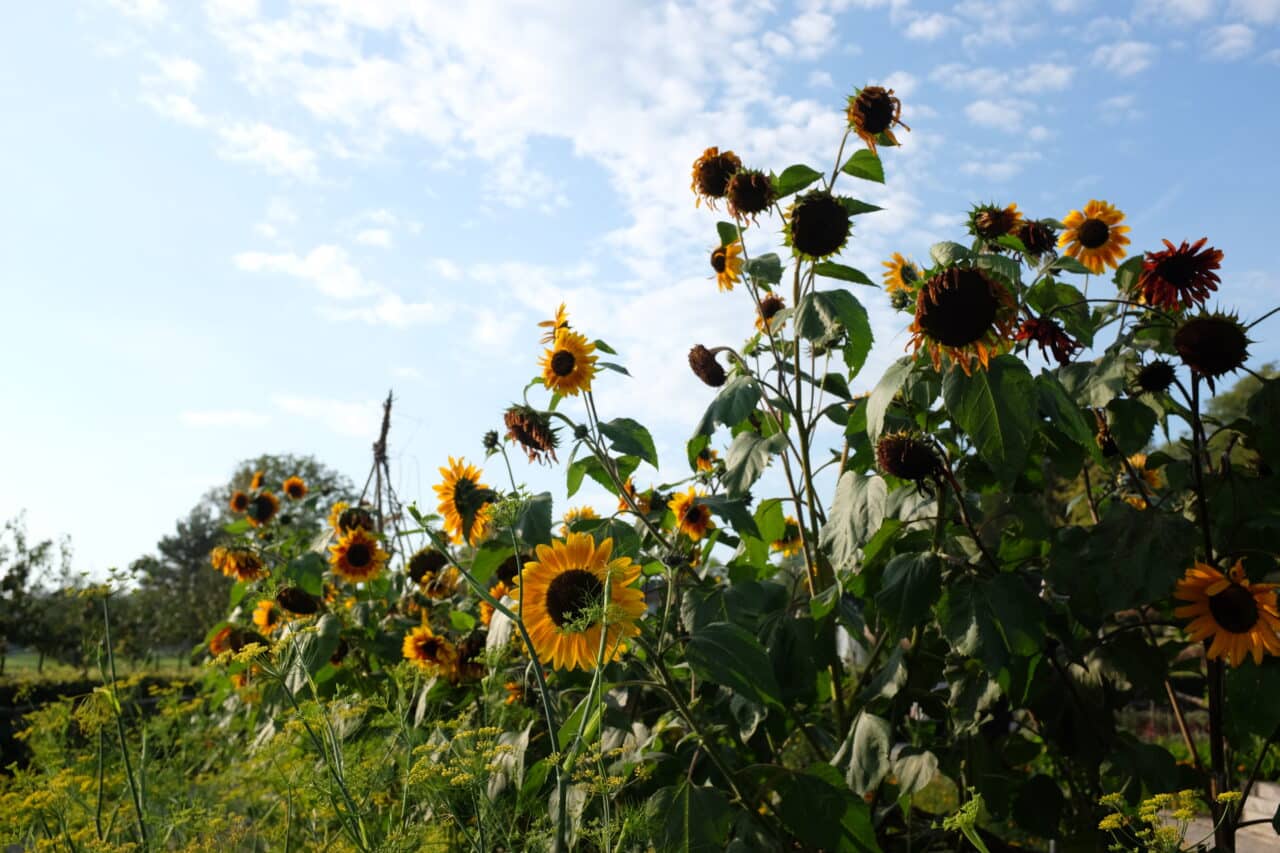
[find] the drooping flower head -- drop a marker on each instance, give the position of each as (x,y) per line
(1051,337)
(1212,345)
(238,562)
(532,430)
(991,221)
(464,501)
(906,455)
(569,365)
(965,314)
(575,514)
(1094,236)
(425,564)
(817,225)
(791,541)
(357,556)
(750,193)
(1037,238)
(711,174)
(702,362)
(1236,617)
(297,601)
(1179,276)
(873,111)
(771,305)
(1155,377)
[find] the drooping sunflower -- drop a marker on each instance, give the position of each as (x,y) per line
(267,616)
(906,455)
(570,364)
(297,600)
(641,499)
(1179,275)
(770,306)
(564,607)
(791,541)
(262,508)
(429,651)
(1051,337)
(817,225)
(497,591)
(706,459)
(1094,236)
(357,556)
(1212,345)
(464,501)
(1155,377)
(1037,237)
(873,111)
(532,430)
(702,362)
(239,501)
(900,274)
(965,314)
(693,518)
(296,488)
(256,482)
(711,174)
(726,261)
(1237,617)
(750,193)
(238,562)
(554,325)
(991,221)
(577,513)
(353,518)
(442,584)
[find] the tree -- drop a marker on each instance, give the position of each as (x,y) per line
(33,610)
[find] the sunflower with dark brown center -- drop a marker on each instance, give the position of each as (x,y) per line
(267,616)
(297,601)
(907,456)
(357,556)
(991,222)
(693,518)
(565,605)
(874,111)
(570,364)
(791,541)
(430,652)
(770,306)
(640,499)
(465,502)
(1037,238)
(750,193)
(1051,337)
(1155,377)
(1094,236)
(900,274)
(295,488)
(355,518)
(817,225)
(1179,276)
(1102,436)
(727,262)
(706,459)
(702,362)
(425,563)
(1237,618)
(239,501)
(1212,345)
(965,314)
(262,508)
(532,430)
(711,174)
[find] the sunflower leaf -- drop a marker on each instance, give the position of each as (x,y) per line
(765,270)
(533,524)
(866,752)
(996,407)
(855,206)
(748,457)
(736,400)
(844,273)
(863,164)
(794,178)
(616,368)
(729,655)
(689,818)
(728,232)
(630,437)
(1066,263)
(947,253)
(910,586)
(733,511)
(857,512)
(847,824)
(884,392)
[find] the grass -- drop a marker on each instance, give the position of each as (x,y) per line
(24,666)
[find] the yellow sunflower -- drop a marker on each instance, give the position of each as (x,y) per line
(295,488)
(570,364)
(1240,617)
(515,692)
(555,324)
(497,591)
(564,607)
(693,519)
(239,501)
(267,616)
(357,556)
(428,651)
(335,515)
(243,564)
(641,499)
(705,461)
(262,508)
(442,584)
(1095,236)
(770,306)
(221,642)
(577,513)
(464,501)
(791,541)
(1152,481)
(727,263)
(963,313)
(256,482)
(900,274)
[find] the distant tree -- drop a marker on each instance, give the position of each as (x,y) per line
(1230,404)
(33,610)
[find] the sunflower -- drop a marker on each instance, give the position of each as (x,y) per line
(441,585)
(239,501)
(1240,617)
(791,541)
(256,482)
(221,642)
(873,111)
(295,488)
(577,513)
(702,362)
(1151,480)
(817,225)
(357,556)
(726,261)
(335,515)
(769,308)
(711,174)
(900,274)
(424,564)
(430,652)
(1051,337)
(563,591)
(262,508)
(750,192)
(1037,237)
(297,601)
(641,499)
(1212,345)
(991,222)
(570,364)
(496,592)
(267,616)
(907,456)
(515,692)
(963,313)
(706,459)
(355,518)
(240,563)
(555,324)
(1181,275)
(1095,236)
(532,430)
(693,518)
(464,501)
(1154,377)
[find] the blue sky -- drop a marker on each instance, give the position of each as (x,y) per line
(229,227)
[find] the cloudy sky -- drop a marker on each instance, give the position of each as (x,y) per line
(229,227)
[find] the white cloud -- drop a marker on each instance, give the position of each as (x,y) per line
(1104,28)
(147,11)
(820,79)
(359,419)
(223,418)
(406,373)
(392,310)
(1256,11)
(180,71)
(1039,133)
(1004,114)
(1175,11)
(445,268)
(813,32)
(1271,56)
(177,108)
(1230,42)
(1033,79)
(327,267)
(902,83)
(930,27)
(778,43)
(999,166)
(277,151)
(1044,77)
(1120,108)
(1125,58)
(379,237)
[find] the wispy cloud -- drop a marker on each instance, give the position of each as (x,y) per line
(328,268)
(277,151)
(1125,58)
(1230,42)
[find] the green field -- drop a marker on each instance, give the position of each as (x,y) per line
(25,666)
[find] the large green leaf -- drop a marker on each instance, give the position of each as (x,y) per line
(1131,423)
(631,438)
(747,458)
(1246,687)
(734,512)
(996,407)
(884,392)
(765,269)
(533,524)
(992,620)
(863,164)
(910,586)
(829,316)
(728,232)
(1058,406)
(947,253)
(736,400)
(690,819)
(856,514)
(866,749)
(307,572)
(727,654)
(914,768)
(794,178)
(591,467)
(822,813)
(1264,410)
(830,269)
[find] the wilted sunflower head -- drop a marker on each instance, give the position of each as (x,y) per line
(769,308)
(965,314)
(817,225)
(907,456)
(262,508)
(296,600)
(295,488)
(425,563)
(1154,377)
(1212,345)
(490,441)
(750,193)
(704,365)
(1179,276)
(872,111)
(1051,337)
(990,221)
(532,430)
(353,518)
(1102,436)
(711,174)
(1037,237)
(238,562)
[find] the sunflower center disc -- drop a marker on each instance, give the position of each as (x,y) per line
(1094,233)
(693,514)
(819,226)
(877,112)
(961,310)
(1234,609)
(562,363)
(718,260)
(429,648)
(358,555)
(1178,270)
(571,593)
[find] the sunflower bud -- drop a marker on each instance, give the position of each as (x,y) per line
(906,455)
(1155,377)
(354,517)
(705,367)
(490,441)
